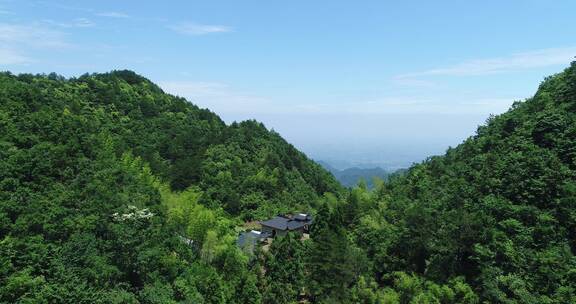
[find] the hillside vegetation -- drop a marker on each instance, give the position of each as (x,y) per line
(113,192)
(102,177)
(497,212)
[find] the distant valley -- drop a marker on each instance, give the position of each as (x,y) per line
(350,177)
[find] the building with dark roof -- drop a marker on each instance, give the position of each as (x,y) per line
(249,239)
(280,225)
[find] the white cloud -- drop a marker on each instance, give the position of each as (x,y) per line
(113,15)
(54,4)
(31,35)
(15,39)
(11,57)
(517,61)
(77,22)
(82,22)
(195,29)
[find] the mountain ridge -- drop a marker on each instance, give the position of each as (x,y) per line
(350,177)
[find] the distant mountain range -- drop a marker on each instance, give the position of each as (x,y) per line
(350,177)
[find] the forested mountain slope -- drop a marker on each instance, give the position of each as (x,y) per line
(498,211)
(184,145)
(112,191)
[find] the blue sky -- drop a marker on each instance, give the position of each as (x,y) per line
(367,82)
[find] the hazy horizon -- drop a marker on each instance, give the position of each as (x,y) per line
(349,148)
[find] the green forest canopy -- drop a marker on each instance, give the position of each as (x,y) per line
(112,191)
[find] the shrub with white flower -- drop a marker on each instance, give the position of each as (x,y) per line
(133,214)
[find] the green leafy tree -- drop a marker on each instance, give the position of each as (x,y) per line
(284,270)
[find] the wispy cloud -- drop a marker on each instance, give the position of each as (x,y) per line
(16,39)
(61,6)
(517,61)
(77,22)
(195,29)
(11,57)
(113,15)
(31,35)
(82,22)
(82,10)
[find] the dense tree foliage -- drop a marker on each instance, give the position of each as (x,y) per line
(493,220)
(113,192)
(284,270)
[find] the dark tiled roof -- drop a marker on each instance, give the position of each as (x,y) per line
(293,225)
(277,222)
(283,223)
